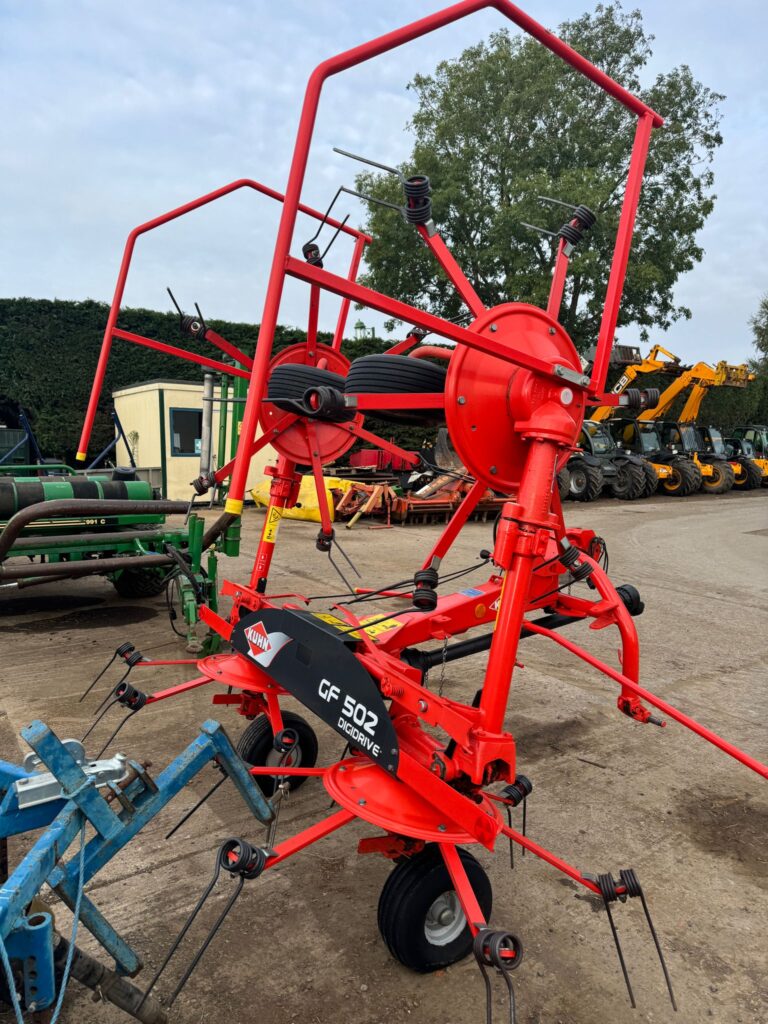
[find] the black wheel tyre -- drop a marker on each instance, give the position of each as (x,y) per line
(685,479)
(256,747)
(586,481)
(564,483)
(291,380)
(629,482)
(720,481)
(140,583)
(419,916)
(651,480)
(752,478)
(383,375)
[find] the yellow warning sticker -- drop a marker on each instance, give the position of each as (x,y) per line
(334,620)
(271,526)
(379,626)
(373,630)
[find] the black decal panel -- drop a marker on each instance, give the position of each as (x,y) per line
(313,660)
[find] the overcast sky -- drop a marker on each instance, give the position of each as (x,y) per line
(112,113)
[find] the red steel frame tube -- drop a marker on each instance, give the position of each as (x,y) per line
(180,353)
(454,524)
(403,311)
(150,225)
(341,62)
(354,266)
(615,288)
(456,275)
(558,281)
(651,698)
(214,338)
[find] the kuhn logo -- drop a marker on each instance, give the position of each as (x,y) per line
(258,640)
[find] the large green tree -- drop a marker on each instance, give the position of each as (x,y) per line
(759,325)
(507,122)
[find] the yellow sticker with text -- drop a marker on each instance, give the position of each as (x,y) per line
(374,629)
(271,526)
(381,626)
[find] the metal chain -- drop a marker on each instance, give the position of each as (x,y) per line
(442,667)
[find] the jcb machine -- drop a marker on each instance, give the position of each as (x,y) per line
(757,436)
(668,467)
(675,472)
(600,463)
(718,473)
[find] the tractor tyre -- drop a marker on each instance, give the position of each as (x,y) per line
(140,583)
(721,480)
(291,380)
(420,917)
(752,479)
(586,483)
(651,480)
(685,479)
(256,747)
(377,375)
(629,482)
(564,483)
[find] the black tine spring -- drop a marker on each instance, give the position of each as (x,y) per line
(116,731)
(120,652)
(607,887)
(198,805)
(633,887)
(501,950)
(89,730)
(238,858)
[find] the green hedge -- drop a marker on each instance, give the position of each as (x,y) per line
(49,350)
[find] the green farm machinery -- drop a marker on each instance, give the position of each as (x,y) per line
(110,524)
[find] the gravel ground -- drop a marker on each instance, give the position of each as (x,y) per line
(302,943)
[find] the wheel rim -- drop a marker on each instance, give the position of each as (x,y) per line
(578,481)
(445,920)
(675,481)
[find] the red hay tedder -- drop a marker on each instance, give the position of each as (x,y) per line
(512,392)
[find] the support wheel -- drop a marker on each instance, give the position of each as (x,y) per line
(651,480)
(721,479)
(139,583)
(586,481)
(420,917)
(256,748)
(629,482)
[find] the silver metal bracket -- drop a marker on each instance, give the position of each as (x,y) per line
(573,376)
(42,787)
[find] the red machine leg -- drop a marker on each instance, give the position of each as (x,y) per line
(520,541)
(465,892)
(310,835)
(282,494)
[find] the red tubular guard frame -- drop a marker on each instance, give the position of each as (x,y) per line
(110,332)
(647,120)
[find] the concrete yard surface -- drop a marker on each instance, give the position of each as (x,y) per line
(302,946)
